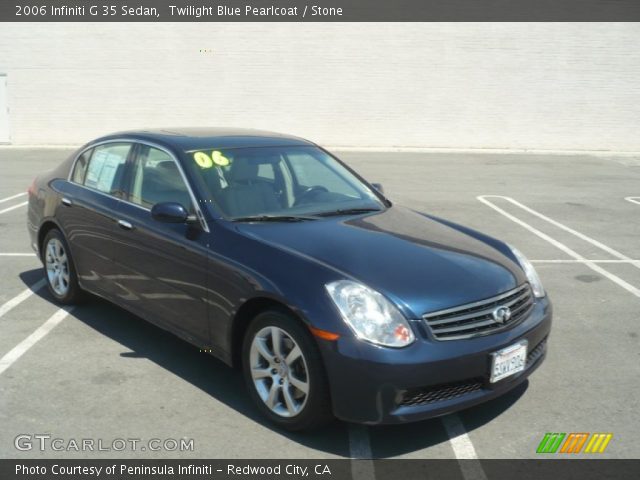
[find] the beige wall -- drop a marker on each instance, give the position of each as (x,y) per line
(542,86)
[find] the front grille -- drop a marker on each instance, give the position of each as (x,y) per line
(441,392)
(477,318)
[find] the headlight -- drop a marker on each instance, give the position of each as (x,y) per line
(371,316)
(530,272)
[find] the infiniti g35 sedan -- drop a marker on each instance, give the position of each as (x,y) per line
(271,254)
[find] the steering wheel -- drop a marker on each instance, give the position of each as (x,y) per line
(309,192)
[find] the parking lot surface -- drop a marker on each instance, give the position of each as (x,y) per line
(99,372)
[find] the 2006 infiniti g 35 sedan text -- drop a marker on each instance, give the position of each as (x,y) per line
(270,253)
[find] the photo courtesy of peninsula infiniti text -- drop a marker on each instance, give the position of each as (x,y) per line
(276,257)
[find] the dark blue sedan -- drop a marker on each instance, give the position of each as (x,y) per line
(271,254)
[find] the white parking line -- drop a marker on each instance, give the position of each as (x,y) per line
(582,236)
(16,352)
(635,200)
(463,449)
(6,199)
(634,262)
(21,297)
(572,253)
(17,254)
(360,452)
(13,207)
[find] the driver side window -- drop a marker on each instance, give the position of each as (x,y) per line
(156,178)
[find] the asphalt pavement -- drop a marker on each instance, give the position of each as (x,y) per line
(99,372)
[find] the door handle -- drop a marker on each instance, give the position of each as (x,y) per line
(66,201)
(124,224)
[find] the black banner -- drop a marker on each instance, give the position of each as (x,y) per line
(318,10)
(543,469)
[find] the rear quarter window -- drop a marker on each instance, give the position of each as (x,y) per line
(80,167)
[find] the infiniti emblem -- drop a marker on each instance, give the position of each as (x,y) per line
(501,314)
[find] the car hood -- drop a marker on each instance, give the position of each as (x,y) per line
(420,263)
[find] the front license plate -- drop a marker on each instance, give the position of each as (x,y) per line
(508,361)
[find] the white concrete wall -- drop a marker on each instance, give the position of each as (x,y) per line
(542,86)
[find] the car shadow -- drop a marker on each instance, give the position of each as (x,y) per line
(144,340)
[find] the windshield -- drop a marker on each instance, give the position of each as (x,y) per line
(279,181)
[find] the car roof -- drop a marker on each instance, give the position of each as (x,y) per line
(204,138)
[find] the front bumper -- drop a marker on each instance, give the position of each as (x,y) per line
(376,385)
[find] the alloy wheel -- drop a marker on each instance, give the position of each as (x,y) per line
(279,371)
(57,265)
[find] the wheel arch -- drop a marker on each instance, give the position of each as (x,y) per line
(246,313)
(45,228)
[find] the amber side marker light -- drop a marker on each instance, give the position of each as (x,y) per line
(323,334)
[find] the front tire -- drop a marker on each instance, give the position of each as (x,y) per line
(59,269)
(284,372)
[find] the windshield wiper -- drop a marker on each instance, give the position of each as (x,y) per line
(273,218)
(346,211)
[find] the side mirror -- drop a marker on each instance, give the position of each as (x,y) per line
(379,187)
(169,212)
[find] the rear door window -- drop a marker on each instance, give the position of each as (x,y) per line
(106,168)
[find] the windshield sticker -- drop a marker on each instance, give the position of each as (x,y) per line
(206,161)
(203,160)
(219,159)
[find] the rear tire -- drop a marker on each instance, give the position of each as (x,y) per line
(59,269)
(284,372)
